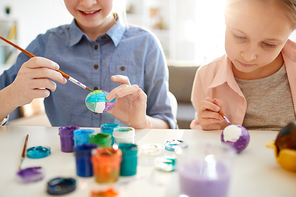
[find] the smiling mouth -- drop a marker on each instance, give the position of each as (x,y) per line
(89,12)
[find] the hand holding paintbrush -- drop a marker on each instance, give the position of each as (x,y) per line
(210,116)
(64,74)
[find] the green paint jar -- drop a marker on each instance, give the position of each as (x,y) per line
(101,139)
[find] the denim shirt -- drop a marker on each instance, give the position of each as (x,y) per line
(132,52)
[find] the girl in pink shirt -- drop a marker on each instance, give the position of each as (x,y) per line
(254,83)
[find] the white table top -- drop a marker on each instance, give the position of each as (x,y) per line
(256,172)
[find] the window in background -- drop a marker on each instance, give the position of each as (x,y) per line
(189,30)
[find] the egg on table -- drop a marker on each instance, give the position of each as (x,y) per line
(236,136)
(285,147)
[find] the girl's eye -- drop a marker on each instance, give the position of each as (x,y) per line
(268,45)
(239,37)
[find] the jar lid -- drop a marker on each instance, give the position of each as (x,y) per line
(38,152)
(165,163)
(152,149)
(171,145)
(58,186)
(29,175)
(123,132)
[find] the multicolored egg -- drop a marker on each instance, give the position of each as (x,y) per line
(96,101)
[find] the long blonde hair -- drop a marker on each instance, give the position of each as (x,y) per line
(119,7)
(288,7)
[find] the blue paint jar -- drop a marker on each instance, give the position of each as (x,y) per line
(108,128)
(129,161)
(81,136)
(82,154)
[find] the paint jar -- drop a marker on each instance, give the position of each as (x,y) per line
(128,166)
(66,138)
(124,135)
(101,139)
(81,136)
(82,154)
(204,163)
(106,164)
(108,128)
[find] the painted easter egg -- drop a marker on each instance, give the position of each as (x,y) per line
(284,147)
(286,139)
(236,136)
(96,101)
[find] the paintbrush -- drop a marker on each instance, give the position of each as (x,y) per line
(225,118)
(24,150)
(64,74)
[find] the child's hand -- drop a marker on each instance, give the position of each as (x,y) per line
(130,104)
(34,80)
(208,116)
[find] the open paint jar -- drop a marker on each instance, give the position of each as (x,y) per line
(101,139)
(66,136)
(82,154)
(81,136)
(106,164)
(124,135)
(204,168)
(129,161)
(108,128)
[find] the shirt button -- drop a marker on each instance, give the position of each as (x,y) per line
(96,66)
(96,88)
(103,37)
(96,47)
(122,68)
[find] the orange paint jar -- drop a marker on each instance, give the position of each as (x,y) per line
(106,164)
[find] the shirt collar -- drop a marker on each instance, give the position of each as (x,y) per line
(75,33)
(225,75)
(116,32)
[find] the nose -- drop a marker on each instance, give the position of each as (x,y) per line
(249,53)
(88,3)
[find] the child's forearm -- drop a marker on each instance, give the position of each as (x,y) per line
(6,101)
(156,123)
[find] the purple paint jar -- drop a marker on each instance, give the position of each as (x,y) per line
(205,168)
(66,136)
